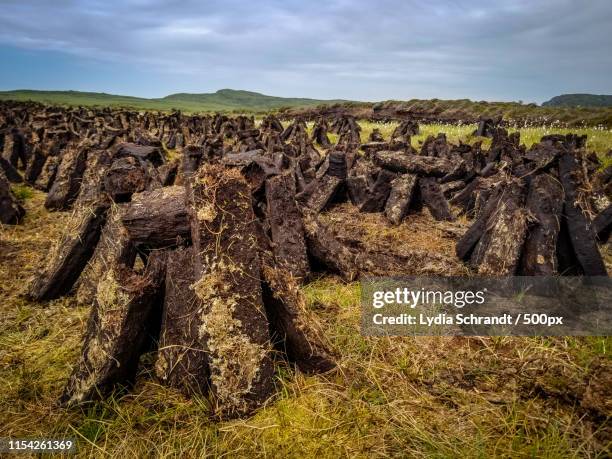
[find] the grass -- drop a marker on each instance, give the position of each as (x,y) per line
(599,139)
(22,192)
(425,397)
(224,100)
(464,110)
(407,397)
(228,100)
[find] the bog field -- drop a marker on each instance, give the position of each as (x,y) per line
(188,285)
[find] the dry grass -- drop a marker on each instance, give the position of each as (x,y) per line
(408,397)
(418,231)
(417,397)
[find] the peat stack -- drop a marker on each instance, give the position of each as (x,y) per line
(536,225)
(232,323)
(120,321)
(219,296)
(319,133)
(405,130)
(487,126)
(11,212)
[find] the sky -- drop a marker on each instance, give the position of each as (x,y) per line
(528,50)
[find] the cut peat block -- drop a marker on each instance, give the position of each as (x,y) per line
(148,153)
(98,162)
(45,179)
(330,179)
(465,198)
(116,331)
(11,212)
(581,234)
(35,165)
(499,249)
(449,188)
(602,224)
(232,322)
(289,245)
(327,250)
(168,172)
(182,361)
(378,193)
(400,198)
(544,203)
(113,249)
(255,170)
(295,330)
(415,164)
(467,243)
(125,177)
(321,192)
(71,253)
(357,188)
(157,218)
(434,199)
(67,181)
(11,174)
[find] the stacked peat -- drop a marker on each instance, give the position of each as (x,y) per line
(227,229)
(11,212)
(224,295)
(533,216)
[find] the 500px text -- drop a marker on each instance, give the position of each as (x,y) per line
(467,319)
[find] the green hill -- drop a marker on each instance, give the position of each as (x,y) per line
(224,100)
(449,111)
(233,99)
(579,100)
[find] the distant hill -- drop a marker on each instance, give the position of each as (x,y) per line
(224,100)
(233,99)
(579,100)
(431,110)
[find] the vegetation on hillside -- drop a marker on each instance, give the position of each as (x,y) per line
(458,111)
(580,100)
(224,100)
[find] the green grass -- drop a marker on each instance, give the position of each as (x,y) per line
(22,192)
(228,100)
(580,100)
(599,139)
(401,397)
(224,100)
(408,397)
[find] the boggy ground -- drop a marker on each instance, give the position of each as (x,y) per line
(414,397)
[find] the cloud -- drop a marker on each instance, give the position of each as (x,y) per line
(356,49)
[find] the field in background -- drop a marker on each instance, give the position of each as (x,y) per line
(414,397)
(224,100)
(248,102)
(599,139)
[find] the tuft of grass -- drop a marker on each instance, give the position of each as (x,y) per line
(22,192)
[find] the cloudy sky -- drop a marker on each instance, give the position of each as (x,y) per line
(526,50)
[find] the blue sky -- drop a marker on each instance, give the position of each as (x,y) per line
(526,50)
